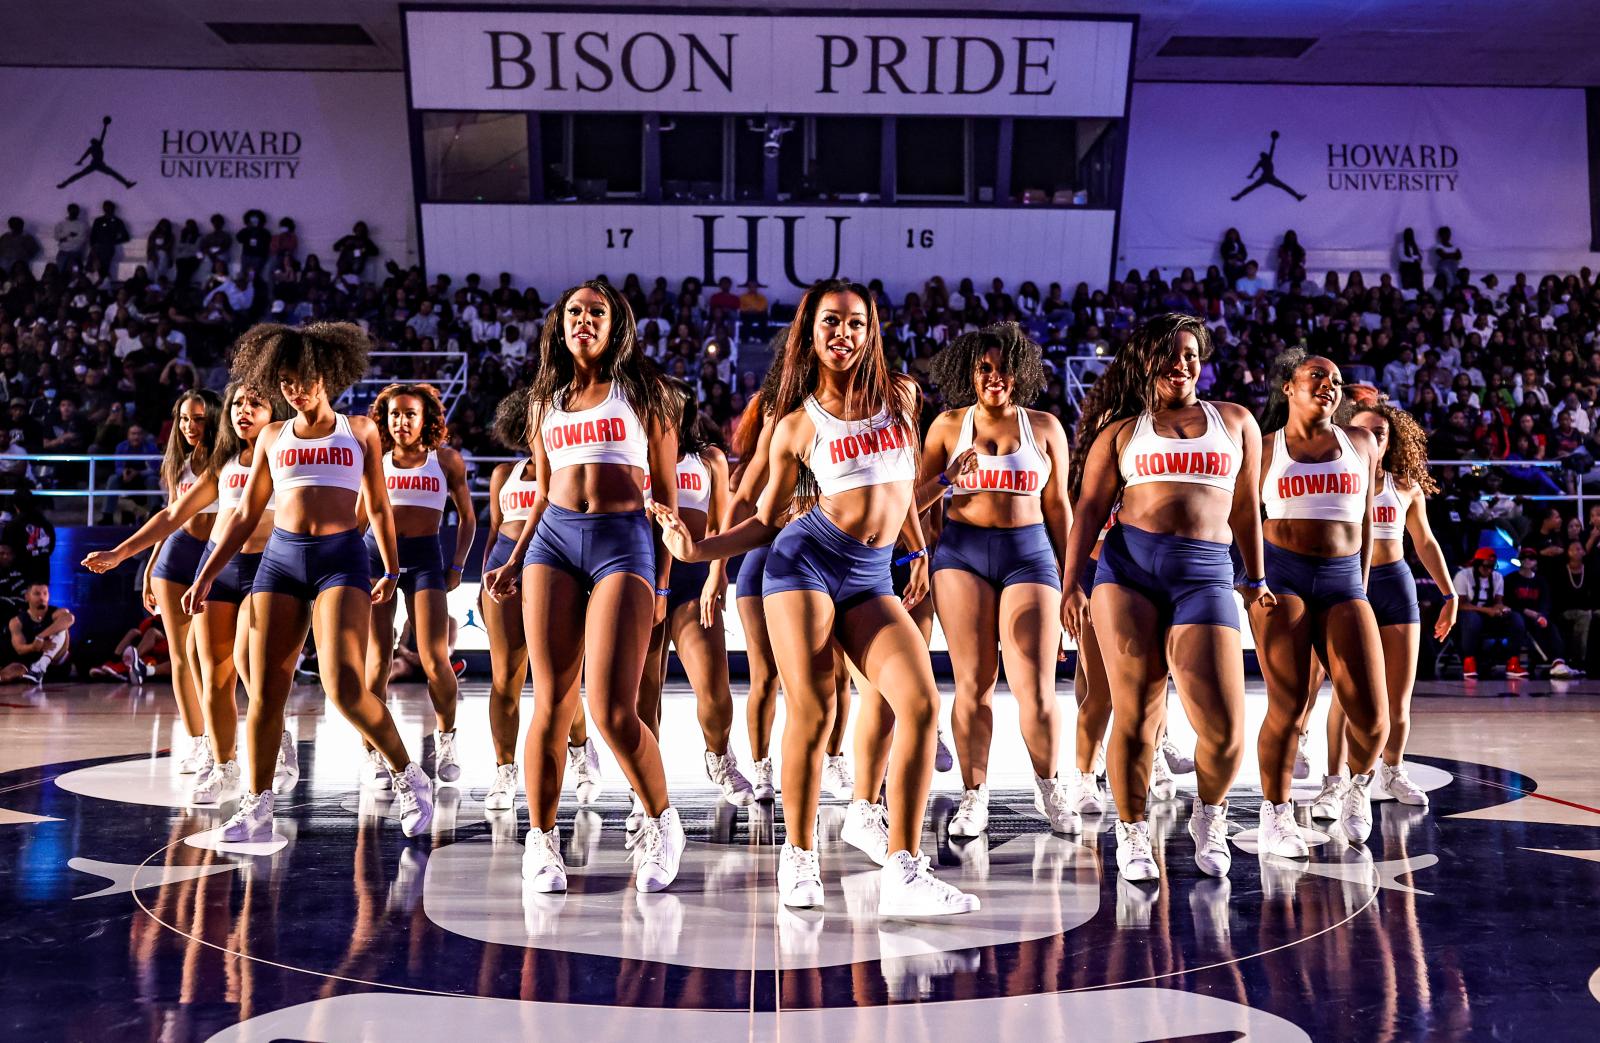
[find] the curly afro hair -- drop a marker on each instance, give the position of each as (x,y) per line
(1405,456)
(510,424)
(333,352)
(1020,358)
(433,422)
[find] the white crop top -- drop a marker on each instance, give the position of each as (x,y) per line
(186,482)
(1388,512)
(1332,491)
(609,433)
(334,461)
(1024,472)
(416,486)
(1212,459)
(694,484)
(231,483)
(517,494)
(852,454)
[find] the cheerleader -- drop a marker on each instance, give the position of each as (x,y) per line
(1185,473)
(997,567)
(1400,505)
(421,475)
(693,624)
(313,574)
(1317,487)
(851,426)
(604,419)
(196,417)
(511,495)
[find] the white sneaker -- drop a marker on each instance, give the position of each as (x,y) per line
(1279,833)
(866,828)
(658,852)
(221,782)
(1099,765)
(543,870)
(1559,671)
(799,878)
(583,763)
(502,795)
(1162,785)
(197,761)
(1302,763)
(375,773)
(1326,803)
(1177,763)
(252,822)
(1135,859)
(907,887)
(286,772)
(413,792)
(724,771)
(1355,808)
(836,778)
(972,815)
(763,787)
(1399,784)
(1091,792)
(942,758)
(1208,827)
(445,767)
(1051,799)
(636,816)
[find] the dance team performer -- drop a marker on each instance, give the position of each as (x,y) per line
(312,577)
(602,418)
(1184,471)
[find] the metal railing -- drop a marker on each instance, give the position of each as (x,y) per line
(451,379)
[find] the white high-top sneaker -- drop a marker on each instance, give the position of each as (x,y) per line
(197,760)
(658,851)
(583,764)
(1091,792)
(413,792)
(1136,860)
(502,794)
(1177,763)
(445,766)
(218,784)
(763,787)
(724,771)
(866,828)
(1162,785)
(1279,833)
(799,878)
(375,773)
(252,822)
(1208,826)
(836,778)
(543,870)
(1325,805)
(1394,779)
(286,772)
(972,814)
(1051,799)
(907,887)
(1355,808)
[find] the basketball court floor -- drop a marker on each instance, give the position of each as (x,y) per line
(123,919)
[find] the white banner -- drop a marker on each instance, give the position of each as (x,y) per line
(554,246)
(838,62)
(1349,167)
(326,149)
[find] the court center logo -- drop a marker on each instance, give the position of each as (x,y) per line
(1266,168)
(93,160)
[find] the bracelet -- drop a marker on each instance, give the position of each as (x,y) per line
(1254,584)
(913,556)
(392,575)
(1448,597)
(457,568)
(945,481)
(662,592)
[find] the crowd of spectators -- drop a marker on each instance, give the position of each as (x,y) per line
(90,363)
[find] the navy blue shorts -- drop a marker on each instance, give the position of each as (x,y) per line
(500,553)
(812,553)
(1001,556)
(179,559)
(751,569)
(1393,592)
(1240,576)
(688,579)
(234,582)
(1086,575)
(1188,580)
(421,563)
(590,547)
(1320,582)
(303,565)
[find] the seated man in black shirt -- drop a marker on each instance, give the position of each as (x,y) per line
(1575,602)
(1527,593)
(40,639)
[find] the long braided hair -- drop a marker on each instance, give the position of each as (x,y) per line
(1128,385)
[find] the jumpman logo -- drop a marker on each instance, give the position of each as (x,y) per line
(1268,177)
(96,155)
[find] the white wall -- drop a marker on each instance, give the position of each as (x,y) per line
(326,149)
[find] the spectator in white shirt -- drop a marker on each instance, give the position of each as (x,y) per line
(1400,373)
(425,322)
(513,348)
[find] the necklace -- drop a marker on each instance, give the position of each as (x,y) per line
(1577,584)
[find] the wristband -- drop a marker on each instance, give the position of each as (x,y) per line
(1254,584)
(457,568)
(662,592)
(1448,597)
(914,555)
(945,481)
(392,575)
